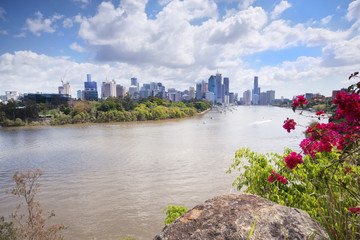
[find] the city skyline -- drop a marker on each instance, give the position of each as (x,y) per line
(294,46)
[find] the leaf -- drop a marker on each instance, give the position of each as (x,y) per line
(253,227)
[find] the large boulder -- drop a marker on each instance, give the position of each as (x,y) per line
(232,217)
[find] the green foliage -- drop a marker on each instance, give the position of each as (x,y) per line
(307,184)
(173,212)
(311,186)
(7,231)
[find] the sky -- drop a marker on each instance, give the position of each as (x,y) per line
(293,46)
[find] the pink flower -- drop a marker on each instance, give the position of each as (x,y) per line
(296,103)
(293,160)
(301,99)
(289,124)
(355,210)
(277,177)
(319,113)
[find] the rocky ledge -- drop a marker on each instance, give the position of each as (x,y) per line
(232,217)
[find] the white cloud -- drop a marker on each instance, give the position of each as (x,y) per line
(76,47)
(326,19)
(68,23)
(2,14)
(246,3)
(20,35)
(354,10)
(84,3)
(4,32)
(280,8)
(38,25)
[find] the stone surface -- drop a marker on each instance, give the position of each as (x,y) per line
(232,217)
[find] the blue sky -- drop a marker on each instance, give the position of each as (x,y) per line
(294,46)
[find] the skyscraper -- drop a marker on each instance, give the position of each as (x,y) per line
(256,92)
(90,92)
(212,87)
(218,87)
(198,91)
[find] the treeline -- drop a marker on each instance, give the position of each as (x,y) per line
(121,109)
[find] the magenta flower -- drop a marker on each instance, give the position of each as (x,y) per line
(355,210)
(293,160)
(277,177)
(319,113)
(289,124)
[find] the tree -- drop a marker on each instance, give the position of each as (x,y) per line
(32,224)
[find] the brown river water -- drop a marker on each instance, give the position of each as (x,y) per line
(109,181)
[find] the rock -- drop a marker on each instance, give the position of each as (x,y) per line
(232,217)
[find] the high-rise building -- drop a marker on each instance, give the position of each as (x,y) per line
(108,89)
(226,85)
(219,89)
(79,94)
(191,92)
(199,91)
(65,88)
(212,87)
(256,92)
(90,89)
(134,82)
(247,97)
(120,90)
(270,97)
(204,88)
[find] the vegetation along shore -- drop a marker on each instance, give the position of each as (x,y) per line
(120,109)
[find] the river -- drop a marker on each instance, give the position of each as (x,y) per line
(108,181)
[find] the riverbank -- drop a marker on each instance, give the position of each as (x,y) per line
(46,122)
(104,111)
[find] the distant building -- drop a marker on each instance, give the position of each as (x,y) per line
(209,96)
(212,87)
(108,89)
(247,97)
(133,92)
(79,95)
(51,98)
(65,88)
(256,92)
(191,92)
(270,97)
(262,100)
(120,90)
(199,91)
(334,92)
(12,95)
(90,92)
(219,88)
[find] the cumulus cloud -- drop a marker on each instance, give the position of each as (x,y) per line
(354,10)
(326,19)
(76,47)
(68,23)
(38,25)
(280,8)
(246,3)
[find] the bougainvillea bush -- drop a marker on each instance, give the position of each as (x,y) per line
(322,179)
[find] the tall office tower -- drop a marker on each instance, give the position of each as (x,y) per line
(79,94)
(204,88)
(262,100)
(120,90)
(199,91)
(108,89)
(90,89)
(256,92)
(247,97)
(226,85)
(270,97)
(134,82)
(212,87)
(191,92)
(219,87)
